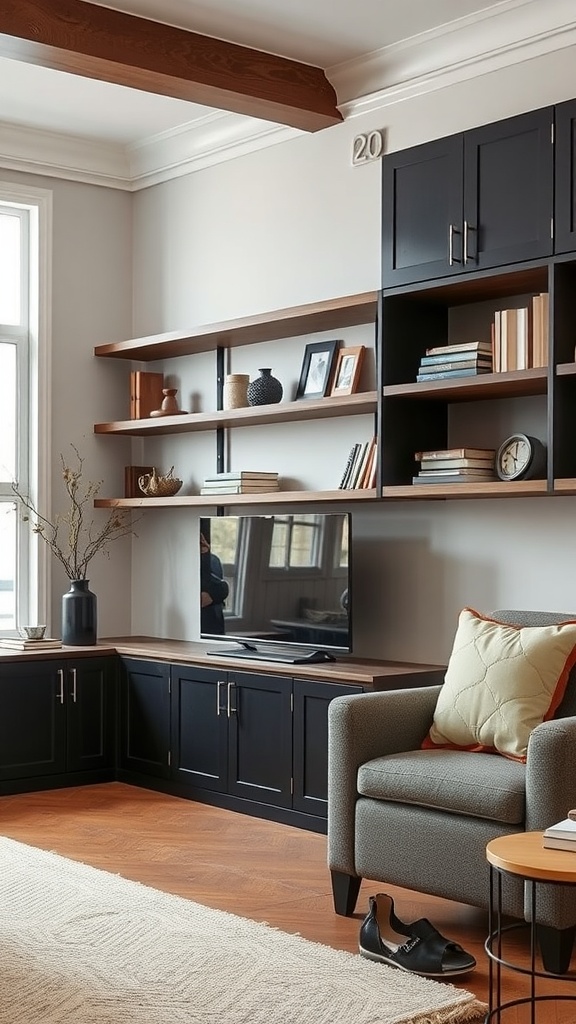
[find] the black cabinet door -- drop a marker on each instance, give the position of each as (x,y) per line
(90,703)
(565,193)
(508,191)
(311,700)
(145,717)
(422,190)
(200,727)
(260,738)
(33,720)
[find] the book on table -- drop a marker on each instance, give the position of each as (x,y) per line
(565,829)
(559,844)
(15,643)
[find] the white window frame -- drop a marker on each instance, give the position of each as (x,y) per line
(34,393)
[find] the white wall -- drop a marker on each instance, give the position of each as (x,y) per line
(297,223)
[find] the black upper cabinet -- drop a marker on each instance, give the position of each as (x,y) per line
(565,196)
(480,199)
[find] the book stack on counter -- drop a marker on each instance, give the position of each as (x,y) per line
(561,836)
(360,469)
(464,360)
(17,643)
(455,465)
(242,482)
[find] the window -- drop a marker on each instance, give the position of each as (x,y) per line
(296,542)
(24,227)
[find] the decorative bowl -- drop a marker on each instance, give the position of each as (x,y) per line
(156,486)
(32,632)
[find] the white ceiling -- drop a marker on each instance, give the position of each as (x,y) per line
(325,33)
(374,53)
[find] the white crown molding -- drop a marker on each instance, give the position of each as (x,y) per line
(505,34)
(509,33)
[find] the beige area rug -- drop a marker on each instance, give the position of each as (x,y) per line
(81,946)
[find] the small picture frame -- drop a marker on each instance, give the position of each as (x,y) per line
(347,373)
(315,375)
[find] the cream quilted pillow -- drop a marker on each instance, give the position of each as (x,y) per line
(501,682)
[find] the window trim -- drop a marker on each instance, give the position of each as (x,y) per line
(33,600)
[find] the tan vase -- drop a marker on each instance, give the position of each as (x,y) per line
(235,391)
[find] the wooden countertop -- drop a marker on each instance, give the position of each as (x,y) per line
(366,672)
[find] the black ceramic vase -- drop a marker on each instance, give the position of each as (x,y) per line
(265,389)
(79,615)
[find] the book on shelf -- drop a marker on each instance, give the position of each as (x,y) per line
(463,463)
(464,356)
(16,643)
(459,476)
(456,453)
(145,393)
(131,476)
(240,474)
(360,469)
(247,487)
(513,338)
(464,346)
(348,467)
(565,829)
(484,362)
(447,374)
(482,471)
(540,309)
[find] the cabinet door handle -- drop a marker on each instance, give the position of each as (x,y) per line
(218,708)
(230,708)
(465,254)
(73,673)
(452,259)
(61,679)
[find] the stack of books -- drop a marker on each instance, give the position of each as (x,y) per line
(455,465)
(243,481)
(17,643)
(464,360)
(520,336)
(561,836)
(360,469)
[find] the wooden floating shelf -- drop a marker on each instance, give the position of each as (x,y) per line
(491,489)
(230,500)
(284,412)
(473,388)
(329,315)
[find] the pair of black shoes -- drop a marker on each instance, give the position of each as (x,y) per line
(418,948)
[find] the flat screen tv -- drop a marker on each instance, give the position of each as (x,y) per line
(278,585)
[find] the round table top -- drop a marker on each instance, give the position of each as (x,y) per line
(523,854)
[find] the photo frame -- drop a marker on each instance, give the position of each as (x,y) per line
(316,372)
(347,372)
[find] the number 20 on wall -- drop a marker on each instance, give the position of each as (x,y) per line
(368,146)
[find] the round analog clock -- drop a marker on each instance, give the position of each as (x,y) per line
(521,457)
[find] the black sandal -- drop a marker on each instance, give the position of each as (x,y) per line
(418,948)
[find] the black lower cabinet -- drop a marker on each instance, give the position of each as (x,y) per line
(145,717)
(58,718)
(232,733)
(311,700)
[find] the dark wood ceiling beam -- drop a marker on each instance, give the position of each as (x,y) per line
(96,42)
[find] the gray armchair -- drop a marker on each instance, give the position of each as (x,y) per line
(421,819)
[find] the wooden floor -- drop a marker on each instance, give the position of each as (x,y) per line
(254,868)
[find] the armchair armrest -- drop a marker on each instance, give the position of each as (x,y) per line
(550,773)
(361,727)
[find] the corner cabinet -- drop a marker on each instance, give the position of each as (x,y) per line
(58,720)
(483,198)
(351,311)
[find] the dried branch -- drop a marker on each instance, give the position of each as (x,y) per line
(83,541)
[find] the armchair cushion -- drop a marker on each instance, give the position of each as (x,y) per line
(449,780)
(501,682)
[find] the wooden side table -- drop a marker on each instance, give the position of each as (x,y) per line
(522,855)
